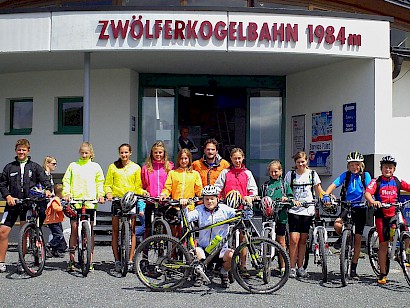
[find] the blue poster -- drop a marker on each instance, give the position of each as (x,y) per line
(349,117)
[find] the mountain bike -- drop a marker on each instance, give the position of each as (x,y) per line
(397,245)
(165,262)
(347,246)
(85,241)
(317,240)
(31,246)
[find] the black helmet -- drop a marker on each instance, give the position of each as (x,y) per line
(388,160)
(354,156)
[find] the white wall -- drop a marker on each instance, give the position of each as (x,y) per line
(110,99)
(328,88)
(401,92)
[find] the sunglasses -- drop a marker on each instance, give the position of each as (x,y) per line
(54,164)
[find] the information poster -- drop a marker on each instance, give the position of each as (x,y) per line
(298,133)
(320,150)
(349,117)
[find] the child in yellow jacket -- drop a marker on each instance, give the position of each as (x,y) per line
(54,217)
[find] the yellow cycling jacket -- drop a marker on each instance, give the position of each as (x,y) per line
(121,180)
(84,179)
(182,184)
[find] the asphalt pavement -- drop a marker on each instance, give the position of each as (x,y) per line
(103,288)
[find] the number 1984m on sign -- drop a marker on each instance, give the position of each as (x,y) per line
(320,33)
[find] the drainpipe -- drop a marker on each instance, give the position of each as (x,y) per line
(86,103)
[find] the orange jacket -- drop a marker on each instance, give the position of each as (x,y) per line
(209,174)
(54,211)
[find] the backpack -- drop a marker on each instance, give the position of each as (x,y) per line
(398,185)
(312,176)
(346,183)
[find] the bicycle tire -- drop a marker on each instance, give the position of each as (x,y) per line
(404,257)
(160,226)
(84,252)
(322,253)
(373,252)
(32,251)
(309,244)
(266,258)
(253,280)
(124,247)
(345,255)
(160,268)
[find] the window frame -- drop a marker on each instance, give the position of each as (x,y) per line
(62,129)
(19,131)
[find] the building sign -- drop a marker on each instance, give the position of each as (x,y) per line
(320,150)
(298,133)
(219,31)
(349,117)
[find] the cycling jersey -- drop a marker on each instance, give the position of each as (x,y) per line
(121,180)
(84,179)
(355,189)
(206,217)
(182,184)
(154,181)
(240,179)
(387,194)
(210,173)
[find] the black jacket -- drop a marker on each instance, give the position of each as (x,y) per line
(10,179)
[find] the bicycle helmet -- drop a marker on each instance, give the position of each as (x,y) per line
(37,193)
(267,206)
(330,207)
(388,160)
(128,201)
(209,190)
(172,216)
(70,211)
(233,199)
(354,156)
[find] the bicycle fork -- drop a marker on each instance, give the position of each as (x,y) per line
(268,231)
(315,246)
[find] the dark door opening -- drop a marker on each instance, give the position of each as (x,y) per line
(218,113)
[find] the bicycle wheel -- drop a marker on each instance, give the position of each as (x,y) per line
(373,252)
(345,255)
(160,267)
(322,253)
(267,254)
(263,274)
(124,247)
(160,226)
(32,251)
(404,259)
(85,249)
(308,249)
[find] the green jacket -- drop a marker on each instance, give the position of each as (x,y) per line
(273,189)
(84,179)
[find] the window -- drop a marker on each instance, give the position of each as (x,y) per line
(70,115)
(21,116)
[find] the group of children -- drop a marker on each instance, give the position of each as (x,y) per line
(210,176)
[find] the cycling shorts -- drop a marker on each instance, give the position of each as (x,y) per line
(280,229)
(383,228)
(299,223)
(12,213)
(358,217)
(116,209)
(149,208)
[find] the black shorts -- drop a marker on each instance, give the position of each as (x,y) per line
(12,213)
(116,209)
(149,208)
(280,229)
(358,217)
(299,223)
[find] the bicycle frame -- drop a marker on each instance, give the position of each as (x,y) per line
(83,217)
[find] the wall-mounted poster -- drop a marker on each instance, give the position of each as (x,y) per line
(298,133)
(320,150)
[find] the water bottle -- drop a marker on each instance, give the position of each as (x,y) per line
(215,241)
(392,231)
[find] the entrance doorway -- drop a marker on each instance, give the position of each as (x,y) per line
(238,111)
(218,113)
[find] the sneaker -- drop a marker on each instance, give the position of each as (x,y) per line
(292,273)
(49,251)
(70,266)
(224,280)
(282,271)
(91,267)
(353,275)
(301,272)
(3,267)
(382,280)
(130,267)
(244,273)
(198,281)
(20,269)
(117,266)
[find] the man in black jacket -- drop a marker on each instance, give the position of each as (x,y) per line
(16,180)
